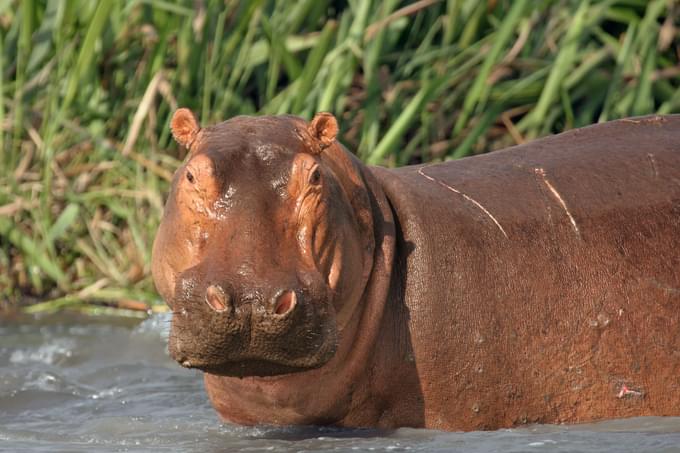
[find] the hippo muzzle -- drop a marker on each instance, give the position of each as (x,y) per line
(237,328)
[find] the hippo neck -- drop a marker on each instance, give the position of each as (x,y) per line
(344,380)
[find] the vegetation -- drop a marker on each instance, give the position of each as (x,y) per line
(88,88)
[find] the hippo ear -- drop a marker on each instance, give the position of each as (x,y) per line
(324,127)
(184,127)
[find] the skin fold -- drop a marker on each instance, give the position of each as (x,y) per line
(535,284)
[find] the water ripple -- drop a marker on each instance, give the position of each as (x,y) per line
(69,384)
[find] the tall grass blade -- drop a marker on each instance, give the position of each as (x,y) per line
(563,64)
(480,88)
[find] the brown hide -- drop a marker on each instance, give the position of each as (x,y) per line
(543,282)
(535,284)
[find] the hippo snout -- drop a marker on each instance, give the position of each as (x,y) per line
(239,327)
(280,305)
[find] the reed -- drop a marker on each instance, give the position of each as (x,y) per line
(88,89)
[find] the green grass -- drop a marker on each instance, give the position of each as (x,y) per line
(88,89)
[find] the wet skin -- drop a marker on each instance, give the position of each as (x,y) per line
(535,284)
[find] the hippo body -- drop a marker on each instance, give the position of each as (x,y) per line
(535,284)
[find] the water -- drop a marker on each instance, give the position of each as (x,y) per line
(72,384)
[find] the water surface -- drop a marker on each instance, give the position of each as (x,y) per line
(72,384)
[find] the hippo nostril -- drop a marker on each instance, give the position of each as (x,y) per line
(285,303)
(217,299)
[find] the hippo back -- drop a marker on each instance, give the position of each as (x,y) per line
(543,281)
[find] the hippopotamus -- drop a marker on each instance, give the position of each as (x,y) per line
(536,284)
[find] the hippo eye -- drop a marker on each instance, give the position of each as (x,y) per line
(190,177)
(315,176)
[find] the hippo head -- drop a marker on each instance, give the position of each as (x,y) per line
(265,245)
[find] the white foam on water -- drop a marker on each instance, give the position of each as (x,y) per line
(107,393)
(53,353)
(157,324)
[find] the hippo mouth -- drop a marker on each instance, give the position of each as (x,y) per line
(243,367)
(247,367)
(294,332)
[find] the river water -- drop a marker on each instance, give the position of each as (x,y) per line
(72,384)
